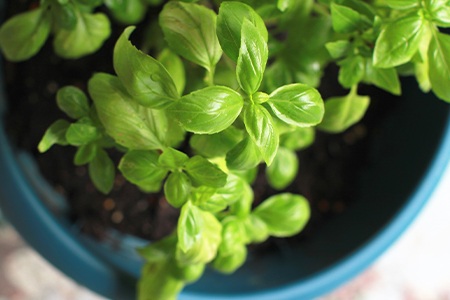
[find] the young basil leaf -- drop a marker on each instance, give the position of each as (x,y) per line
(144,78)
(23,35)
(399,41)
(343,112)
(229,26)
(242,207)
(439,63)
(173,159)
(127,12)
(256,229)
(119,114)
(175,67)
(234,190)
(260,127)
(89,34)
(160,250)
(55,134)
(64,16)
(85,154)
(209,110)
(216,145)
(283,170)
(351,70)
(202,197)
(102,171)
(252,59)
(73,102)
(79,134)
(142,169)
(189,273)
(300,138)
(386,79)
(346,19)
(297,104)
(439,10)
(199,236)
(284,214)
(158,283)
(202,172)
(233,235)
(360,6)
(190,31)
(228,263)
(402,4)
(177,189)
(339,48)
(244,156)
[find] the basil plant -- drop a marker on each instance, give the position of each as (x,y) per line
(222,97)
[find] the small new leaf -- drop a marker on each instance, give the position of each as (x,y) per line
(55,134)
(439,64)
(202,172)
(177,189)
(73,102)
(346,19)
(283,170)
(102,171)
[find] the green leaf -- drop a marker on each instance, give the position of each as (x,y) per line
(80,134)
(343,112)
(158,283)
(402,4)
(283,170)
(244,156)
(228,263)
(229,26)
(284,214)
(202,172)
(55,134)
(386,79)
(439,10)
(234,190)
(297,104)
(23,35)
(119,114)
(298,139)
(209,110)
(256,229)
(89,34)
(399,41)
(351,70)
(346,19)
(339,48)
(202,197)
(102,172)
(85,154)
(216,145)
(144,78)
(64,16)
(260,127)
(199,236)
(252,59)
(73,102)
(173,159)
(127,12)
(175,67)
(177,189)
(190,31)
(439,62)
(142,169)
(242,207)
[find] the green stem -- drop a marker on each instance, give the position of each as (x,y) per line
(209,78)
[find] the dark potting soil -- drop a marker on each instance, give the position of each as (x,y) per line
(329,169)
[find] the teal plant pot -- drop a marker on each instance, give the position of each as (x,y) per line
(409,154)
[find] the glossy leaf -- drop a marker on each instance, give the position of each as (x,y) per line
(177,189)
(229,26)
(343,112)
(297,104)
(351,71)
(190,31)
(386,79)
(228,263)
(202,197)
(339,48)
(298,139)
(79,134)
(175,67)
(199,236)
(127,12)
(253,55)
(256,229)
(85,154)
(215,145)
(346,19)
(55,134)
(283,170)
(284,214)
(207,111)
(244,156)
(142,169)
(89,34)
(439,63)
(144,78)
(73,102)
(119,115)
(102,171)
(402,4)
(260,127)
(173,159)
(439,11)
(234,190)
(399,41)
(203,172)
(23,35)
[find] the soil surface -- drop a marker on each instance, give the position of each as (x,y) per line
(328,174)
